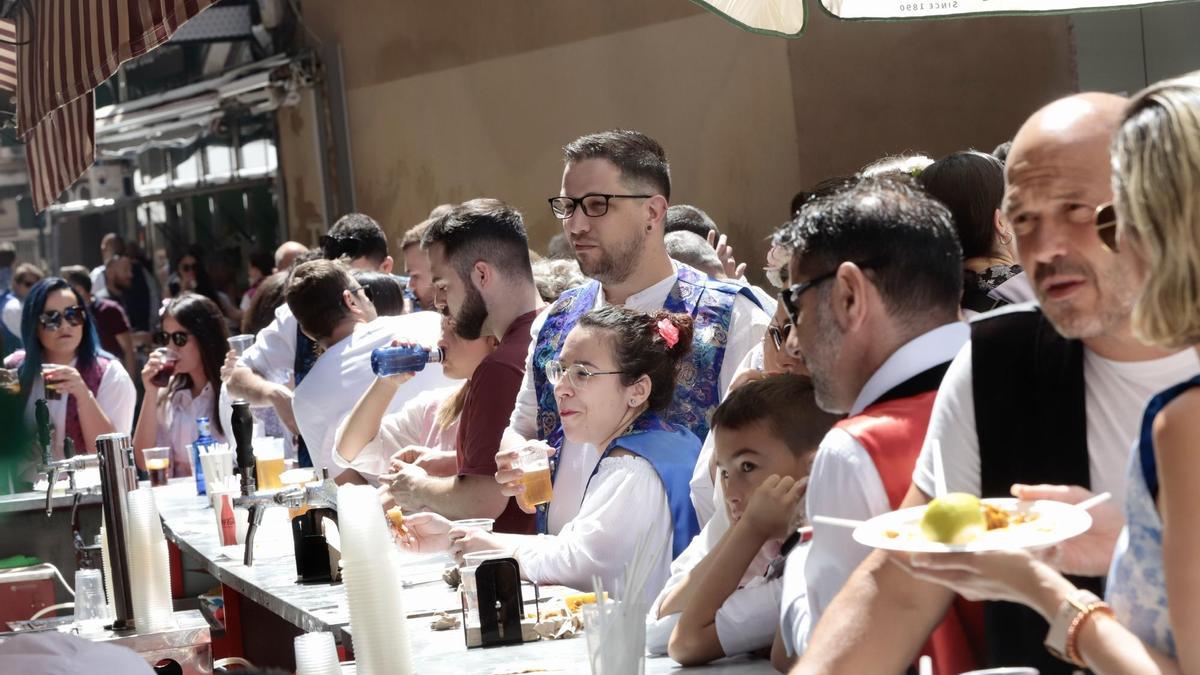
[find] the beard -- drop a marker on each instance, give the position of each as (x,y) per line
(468,321)
(1111,306)
(820,360)
(613,267)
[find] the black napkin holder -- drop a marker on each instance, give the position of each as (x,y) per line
(312,553)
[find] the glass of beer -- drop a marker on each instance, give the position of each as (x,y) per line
(534,460)
(52,394)
(268,462)
(158,463)
(10,381)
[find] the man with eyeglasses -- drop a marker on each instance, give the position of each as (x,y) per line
(281,351)
(613,201)
(876,274)
(334,311)
(24,277)
(1050,395)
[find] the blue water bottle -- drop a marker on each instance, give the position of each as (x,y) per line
(395,360)
(204,443)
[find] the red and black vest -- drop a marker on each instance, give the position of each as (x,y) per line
(892,431)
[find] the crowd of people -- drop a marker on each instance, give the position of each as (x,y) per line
(1021,322)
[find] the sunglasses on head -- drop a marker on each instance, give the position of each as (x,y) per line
(162,337)
(53,319)
(336,247)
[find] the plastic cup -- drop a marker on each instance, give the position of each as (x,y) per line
(158,464)
(240,343)
(268,462)
(1012,670)
(316,654)
(615,647)
(10,381)
(52,393)
(484,524)
(534,460)
(90,609)
(169,358)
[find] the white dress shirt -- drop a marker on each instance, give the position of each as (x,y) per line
(794,619)
(845,483)
(605,532)
(414,424)
(746,326)
(342,374)
(116,396)
(746,620)
(273,354)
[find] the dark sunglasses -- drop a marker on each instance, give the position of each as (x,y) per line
(779,334)
(162,337)
(791,296)
(187,267)
(336,247)
(1106,226)
(53,319)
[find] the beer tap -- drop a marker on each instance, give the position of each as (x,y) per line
(243,434)
(52,468)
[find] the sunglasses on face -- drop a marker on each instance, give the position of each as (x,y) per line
(162,337)
(577,374)
(1106,226)
(779,334)
(593,205)
(53,319)
(187,268)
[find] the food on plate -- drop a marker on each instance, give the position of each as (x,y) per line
(956,518)
(998,518)
(396,519)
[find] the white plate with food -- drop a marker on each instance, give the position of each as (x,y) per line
(959,523)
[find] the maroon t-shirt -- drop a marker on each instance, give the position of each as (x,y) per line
(491,396)
(110,322)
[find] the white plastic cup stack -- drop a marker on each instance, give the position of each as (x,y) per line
(149,566)
(371,574)
(316,654)
(108,577)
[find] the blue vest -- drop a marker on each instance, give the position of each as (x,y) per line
(672,451)
(698,387)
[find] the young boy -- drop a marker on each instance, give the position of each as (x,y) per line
(766,434)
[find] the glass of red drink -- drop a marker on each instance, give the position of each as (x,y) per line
(169,359)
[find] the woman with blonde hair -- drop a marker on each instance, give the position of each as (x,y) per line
(1156,214)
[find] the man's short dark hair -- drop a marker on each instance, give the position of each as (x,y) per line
(314,294)
(77,275)
(483,229)
(785,403)
(639,158)
(356,235)
(688,218)
(902,237)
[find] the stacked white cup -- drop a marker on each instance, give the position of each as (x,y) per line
(370,573)
(149,564)
(316,654)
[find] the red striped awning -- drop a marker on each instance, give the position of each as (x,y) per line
(65,49)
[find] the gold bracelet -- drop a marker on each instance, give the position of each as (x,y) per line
(1072,651)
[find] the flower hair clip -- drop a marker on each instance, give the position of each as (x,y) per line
(669,332)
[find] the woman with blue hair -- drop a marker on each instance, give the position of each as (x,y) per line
(87,390)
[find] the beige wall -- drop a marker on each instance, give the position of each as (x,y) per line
(475,97)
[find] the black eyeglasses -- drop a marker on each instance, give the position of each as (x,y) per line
(1106,226)
(791,296)
(53,319)
(594,205)
(365,291)
(162,337)
(779,334)
(336,247)
(23,282)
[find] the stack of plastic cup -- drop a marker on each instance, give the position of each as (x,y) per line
(90,609)
(149,565)
(316,654)
(108,577)
(371,574)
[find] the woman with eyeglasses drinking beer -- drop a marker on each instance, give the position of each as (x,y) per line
(182,380)
(87,391)
(615,373)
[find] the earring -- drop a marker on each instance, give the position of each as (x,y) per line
(649,227)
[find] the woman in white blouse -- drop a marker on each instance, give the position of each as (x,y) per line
(423,432)
(89,392)
(194,333)
(615,372)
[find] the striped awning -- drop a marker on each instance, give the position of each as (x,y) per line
(64,49)
(786,18)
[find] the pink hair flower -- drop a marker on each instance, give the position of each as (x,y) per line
(669,332)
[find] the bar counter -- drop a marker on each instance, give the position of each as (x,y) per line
(191,526)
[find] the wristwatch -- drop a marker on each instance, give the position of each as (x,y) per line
(1071,613)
